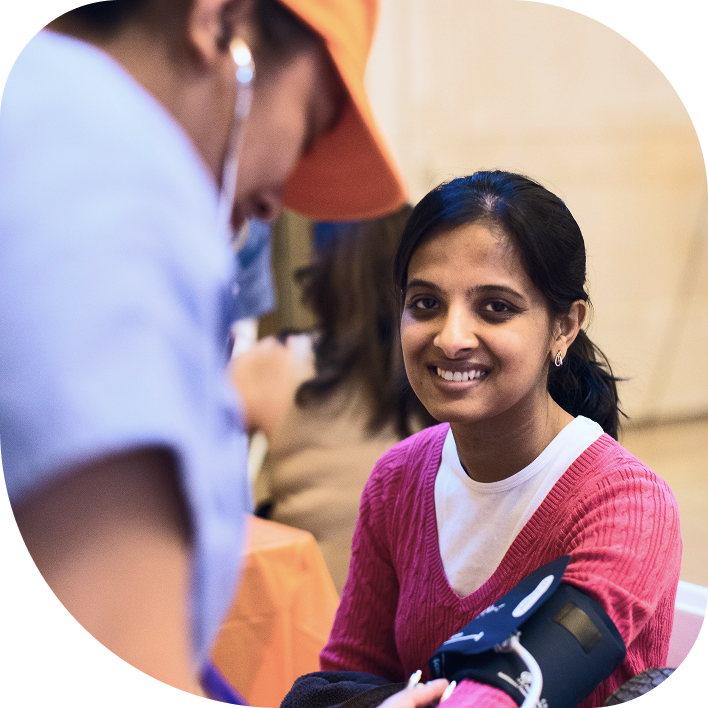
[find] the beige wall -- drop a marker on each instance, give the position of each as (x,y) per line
(460,85)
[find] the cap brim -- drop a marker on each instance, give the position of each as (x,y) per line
(349,173)
(346,175)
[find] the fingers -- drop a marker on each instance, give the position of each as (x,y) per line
(419,697)
(299,342)
(448,691)
(303,357)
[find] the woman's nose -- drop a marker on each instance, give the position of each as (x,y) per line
(457,334)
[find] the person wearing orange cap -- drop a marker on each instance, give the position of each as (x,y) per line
(349,172)
(127,155)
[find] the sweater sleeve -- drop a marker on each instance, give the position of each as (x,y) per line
(479,695)
(625,544)
(363,636)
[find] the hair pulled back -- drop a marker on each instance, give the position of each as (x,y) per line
(552,251)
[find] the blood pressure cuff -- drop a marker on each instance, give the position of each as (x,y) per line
(571,637)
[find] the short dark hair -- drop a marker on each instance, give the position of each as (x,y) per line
(105,15)
(552,252)
(280,33)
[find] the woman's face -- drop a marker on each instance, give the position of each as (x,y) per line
(476,333)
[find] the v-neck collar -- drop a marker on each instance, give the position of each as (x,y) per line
(521,546)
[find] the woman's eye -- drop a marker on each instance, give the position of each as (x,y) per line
(424,303)
(498,307)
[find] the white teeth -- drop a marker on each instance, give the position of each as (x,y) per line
(459,375)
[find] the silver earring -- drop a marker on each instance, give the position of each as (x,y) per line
(558,361)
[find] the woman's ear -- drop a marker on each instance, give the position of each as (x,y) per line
(212,24)
(567,328)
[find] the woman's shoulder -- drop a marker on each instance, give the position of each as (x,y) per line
(417,445)
(414,456)
(610,499)
(606,464)
(609,456)
(403,478)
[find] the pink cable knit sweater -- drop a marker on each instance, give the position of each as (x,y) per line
(616,519)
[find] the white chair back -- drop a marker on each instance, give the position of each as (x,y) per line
(689,611)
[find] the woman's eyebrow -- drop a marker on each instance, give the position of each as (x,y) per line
(418,283)
(496,289)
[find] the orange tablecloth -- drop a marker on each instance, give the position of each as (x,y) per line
(281,617)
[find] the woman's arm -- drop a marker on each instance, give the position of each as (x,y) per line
(625,543)
(362,638)
(111,540)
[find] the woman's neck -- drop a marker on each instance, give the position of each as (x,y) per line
(496,449)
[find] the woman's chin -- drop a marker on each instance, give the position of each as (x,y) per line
(451,414)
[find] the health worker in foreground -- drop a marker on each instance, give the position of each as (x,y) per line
(525,467)
(121,129)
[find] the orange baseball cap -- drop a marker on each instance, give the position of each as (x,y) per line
(349,173)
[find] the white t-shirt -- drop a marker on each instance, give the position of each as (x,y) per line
(113,294)
(478,521)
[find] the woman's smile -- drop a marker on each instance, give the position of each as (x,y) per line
(464,376)
(454,376)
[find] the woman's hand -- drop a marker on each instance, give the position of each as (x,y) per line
(419,697)
(267,377)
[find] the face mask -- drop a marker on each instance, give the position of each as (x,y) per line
(245,71)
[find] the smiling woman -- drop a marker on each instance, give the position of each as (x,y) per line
(524,264)
(525,468)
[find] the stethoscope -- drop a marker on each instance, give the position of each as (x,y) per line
(245,72)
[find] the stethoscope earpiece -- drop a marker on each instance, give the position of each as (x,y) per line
(245,73)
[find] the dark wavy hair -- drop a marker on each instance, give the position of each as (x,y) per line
(349,289)
(552,252)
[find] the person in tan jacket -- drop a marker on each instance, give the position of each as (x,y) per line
(330,402)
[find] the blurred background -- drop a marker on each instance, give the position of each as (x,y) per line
(462,85)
